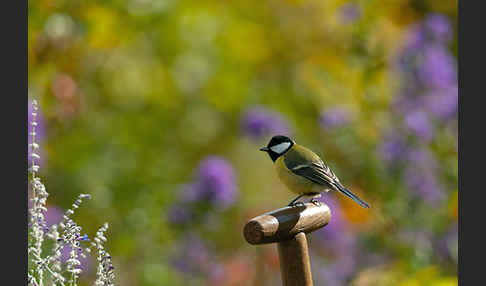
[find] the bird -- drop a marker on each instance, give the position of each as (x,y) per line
(303,171)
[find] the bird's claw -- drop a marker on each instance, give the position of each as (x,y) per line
(296,204)
(315,201)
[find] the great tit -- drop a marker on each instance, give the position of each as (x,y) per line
(302,171)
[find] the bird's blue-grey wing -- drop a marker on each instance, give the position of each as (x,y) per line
(321,174)
(317,172)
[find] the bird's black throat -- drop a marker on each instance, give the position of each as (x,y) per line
(274,156)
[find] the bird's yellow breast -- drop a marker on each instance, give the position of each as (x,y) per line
(295,183)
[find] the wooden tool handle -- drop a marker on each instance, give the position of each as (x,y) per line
(283,224)
(295,262)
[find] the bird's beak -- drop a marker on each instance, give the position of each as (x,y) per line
(264,149)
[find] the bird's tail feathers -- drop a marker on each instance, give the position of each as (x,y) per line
(352,196)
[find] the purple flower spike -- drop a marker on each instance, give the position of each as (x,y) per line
(394,148)
(424,184)
(339,243)
(332,234)
(415,39)
(420,176)
(422,158)
(258,122)
(334,117)
(437,68)
(443,102)
(418,123)
(428,95)
(216,181)
(439,27)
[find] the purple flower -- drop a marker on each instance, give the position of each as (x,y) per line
(442,103)
(406,102)
(418,123)
(39,136)
(337,242)
(258,122)
(429,92)
(439,27)
(415,39)
(425,61)
(437,68)
(420,176)
(422,158)
(192,255)
(180,214)
(335,235)
(436,28)
(334,117)
(350,12)
(393,148)
(216,181)
(424,184)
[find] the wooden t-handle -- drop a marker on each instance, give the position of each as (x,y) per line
(288,227)
(283,224)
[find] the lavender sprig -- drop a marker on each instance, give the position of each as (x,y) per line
(66,233)
(105,275)
(39,197)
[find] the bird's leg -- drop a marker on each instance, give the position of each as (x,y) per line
(292,203)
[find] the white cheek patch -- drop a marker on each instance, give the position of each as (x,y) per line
(280,148)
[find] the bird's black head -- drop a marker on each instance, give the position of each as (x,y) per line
(277,146)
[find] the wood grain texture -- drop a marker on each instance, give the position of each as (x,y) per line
(283,224)
(294,261)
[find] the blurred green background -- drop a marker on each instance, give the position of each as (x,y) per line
(158,107)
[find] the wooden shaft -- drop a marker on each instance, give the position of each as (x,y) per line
(288,227)
(284,223)
(294,261)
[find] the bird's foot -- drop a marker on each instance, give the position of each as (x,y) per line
(315,201)
(294,201)
(296,204)
(314,197)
